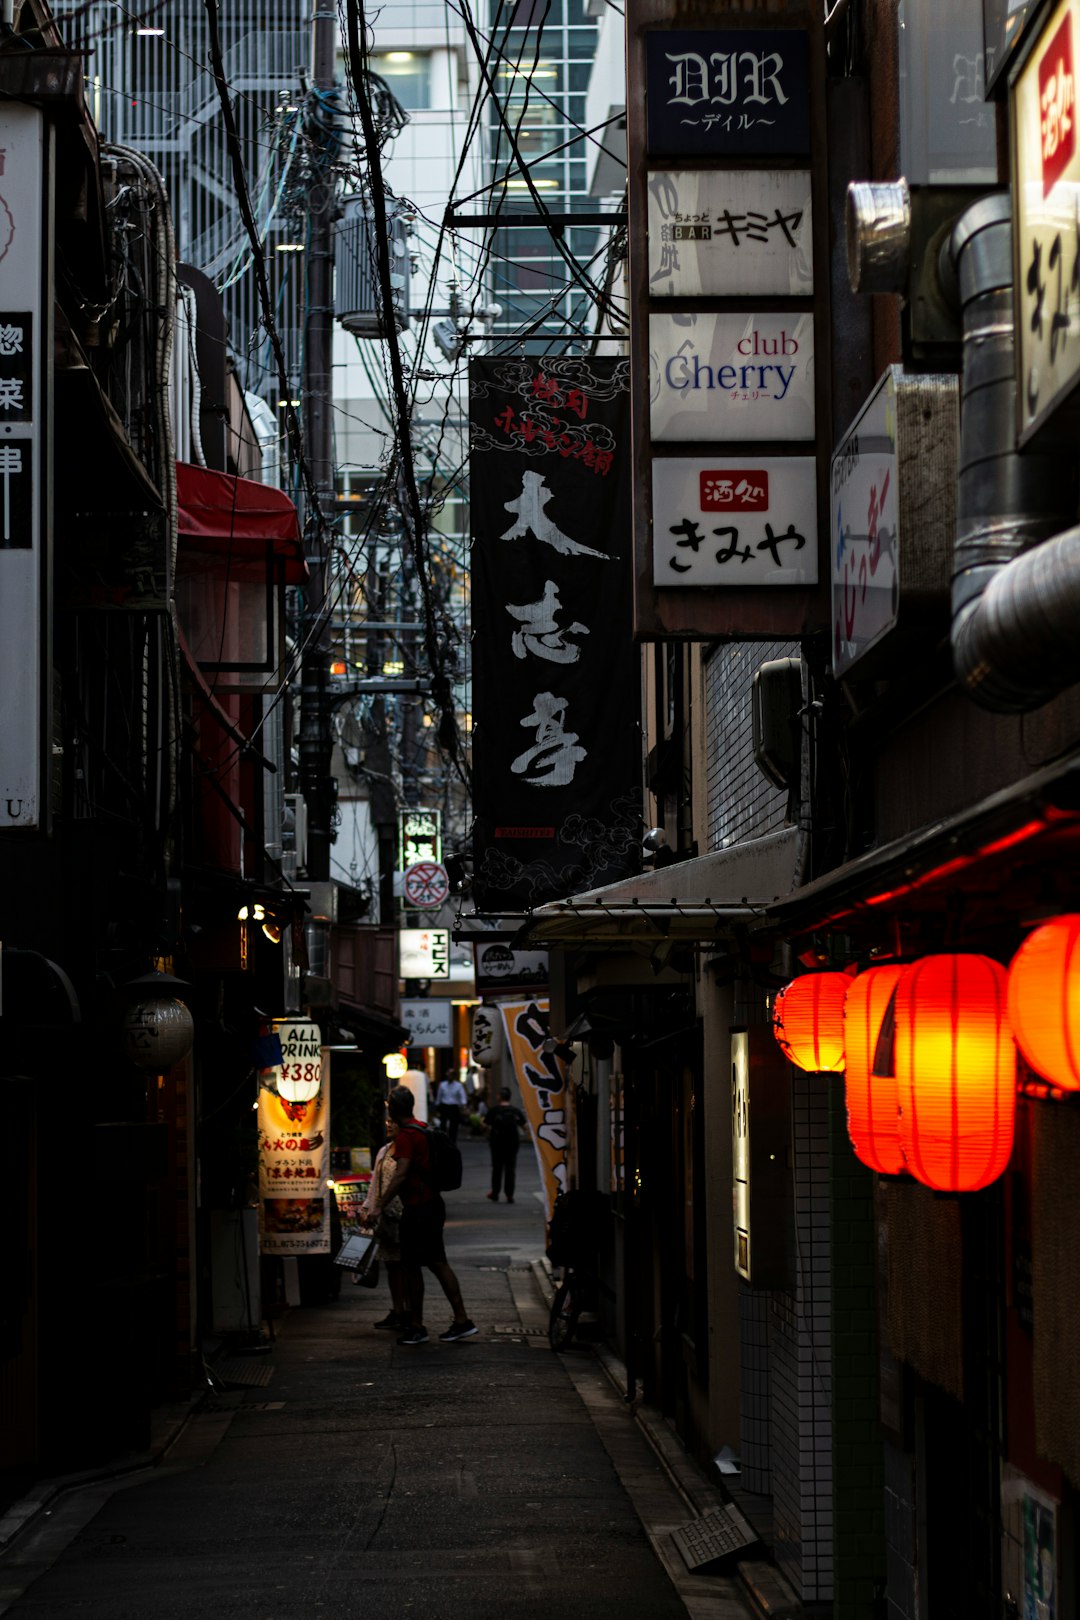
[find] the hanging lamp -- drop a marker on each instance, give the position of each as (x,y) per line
(955,1071)
(808,1021)
(1044,1001)
(873,1120)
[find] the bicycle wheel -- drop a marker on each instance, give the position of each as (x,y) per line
(563,1318)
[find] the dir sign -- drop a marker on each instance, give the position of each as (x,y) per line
(731,377)
(751,521)
(744,233)
(726,93)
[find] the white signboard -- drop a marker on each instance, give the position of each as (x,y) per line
(430,1023)
(1046,189)
(22,426)
(731,377)
(727,521)
(864,521)
(740,1149)
(731,233)
(424,953)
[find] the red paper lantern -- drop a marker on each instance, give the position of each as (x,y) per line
(1044,1001)
(955,1071)
(873,1119)
(808,1021)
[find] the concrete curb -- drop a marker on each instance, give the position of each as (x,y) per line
(167,1425)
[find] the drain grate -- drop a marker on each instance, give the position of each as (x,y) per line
(518,1332)
(241,1373)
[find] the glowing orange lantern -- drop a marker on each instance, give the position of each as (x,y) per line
(873,1120)
(1044,1001)
(955,1071)
(808,1021)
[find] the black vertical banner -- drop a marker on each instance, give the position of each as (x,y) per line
(556,687)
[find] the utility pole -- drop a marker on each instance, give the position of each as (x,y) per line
(316,735)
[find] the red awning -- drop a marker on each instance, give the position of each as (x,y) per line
(237,519)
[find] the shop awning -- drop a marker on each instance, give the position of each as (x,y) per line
(695,901)
(237,520)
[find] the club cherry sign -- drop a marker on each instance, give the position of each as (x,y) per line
(1046,173)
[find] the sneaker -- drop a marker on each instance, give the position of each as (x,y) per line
(509,1200)
(457,1330)
(416,1336)
(391,1321)
(492,1195)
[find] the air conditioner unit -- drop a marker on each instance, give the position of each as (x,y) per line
(357,292)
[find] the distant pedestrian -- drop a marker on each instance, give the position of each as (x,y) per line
(422,1220)
(450,1100)
(503,1124)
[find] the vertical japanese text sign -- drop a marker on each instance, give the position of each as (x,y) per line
(24,469)
(541,1079)
(294,1143)
(1046,175)
(556,721)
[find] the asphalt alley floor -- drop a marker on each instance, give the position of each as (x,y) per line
(488,1478)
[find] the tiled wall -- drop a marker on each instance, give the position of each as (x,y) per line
(742,803)
(900,1539)
(800,1353)
(754,1390)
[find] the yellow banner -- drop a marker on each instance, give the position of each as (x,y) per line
(541,1078)
(294,1144)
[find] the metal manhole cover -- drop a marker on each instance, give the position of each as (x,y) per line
(245,1374)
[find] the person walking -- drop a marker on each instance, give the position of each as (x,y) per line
(503,1124)
(387,1228)
(423,1217)
(451,1100)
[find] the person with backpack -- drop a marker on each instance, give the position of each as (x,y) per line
(503,1124)
(426,1164)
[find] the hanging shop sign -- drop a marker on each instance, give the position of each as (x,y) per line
(736,378)
(724,93)
(892,490)
(425,885)
(429,1023)
(424,953)
(294,1143)
(744,233)
(419,837)
(864,500)
(541,1078)
(742,522)
(1046,175)
(500,970)
(948,130)
(760,1153)
(23,466)
(556,769)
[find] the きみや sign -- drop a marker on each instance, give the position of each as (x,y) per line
(734,523)
(731,377)
(735,233)
(723,92)
(1046,176)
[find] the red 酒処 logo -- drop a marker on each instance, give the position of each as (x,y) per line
(1057,106)
(742,489)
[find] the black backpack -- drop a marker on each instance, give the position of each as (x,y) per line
(444,1157)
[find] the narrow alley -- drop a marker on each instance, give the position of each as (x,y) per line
(485,1478)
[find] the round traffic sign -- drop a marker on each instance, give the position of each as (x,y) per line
(426,884)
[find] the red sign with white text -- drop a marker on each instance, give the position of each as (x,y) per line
(736,489)
(1057,106)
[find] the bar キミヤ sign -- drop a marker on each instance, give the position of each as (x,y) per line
(556,748)
(727,92)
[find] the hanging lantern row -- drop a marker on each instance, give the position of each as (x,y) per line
(930,1051)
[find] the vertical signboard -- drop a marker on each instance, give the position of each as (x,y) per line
(729,321)
(24,471)
(1046,174)
(541,1079)
(556,716)
(294,1143)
